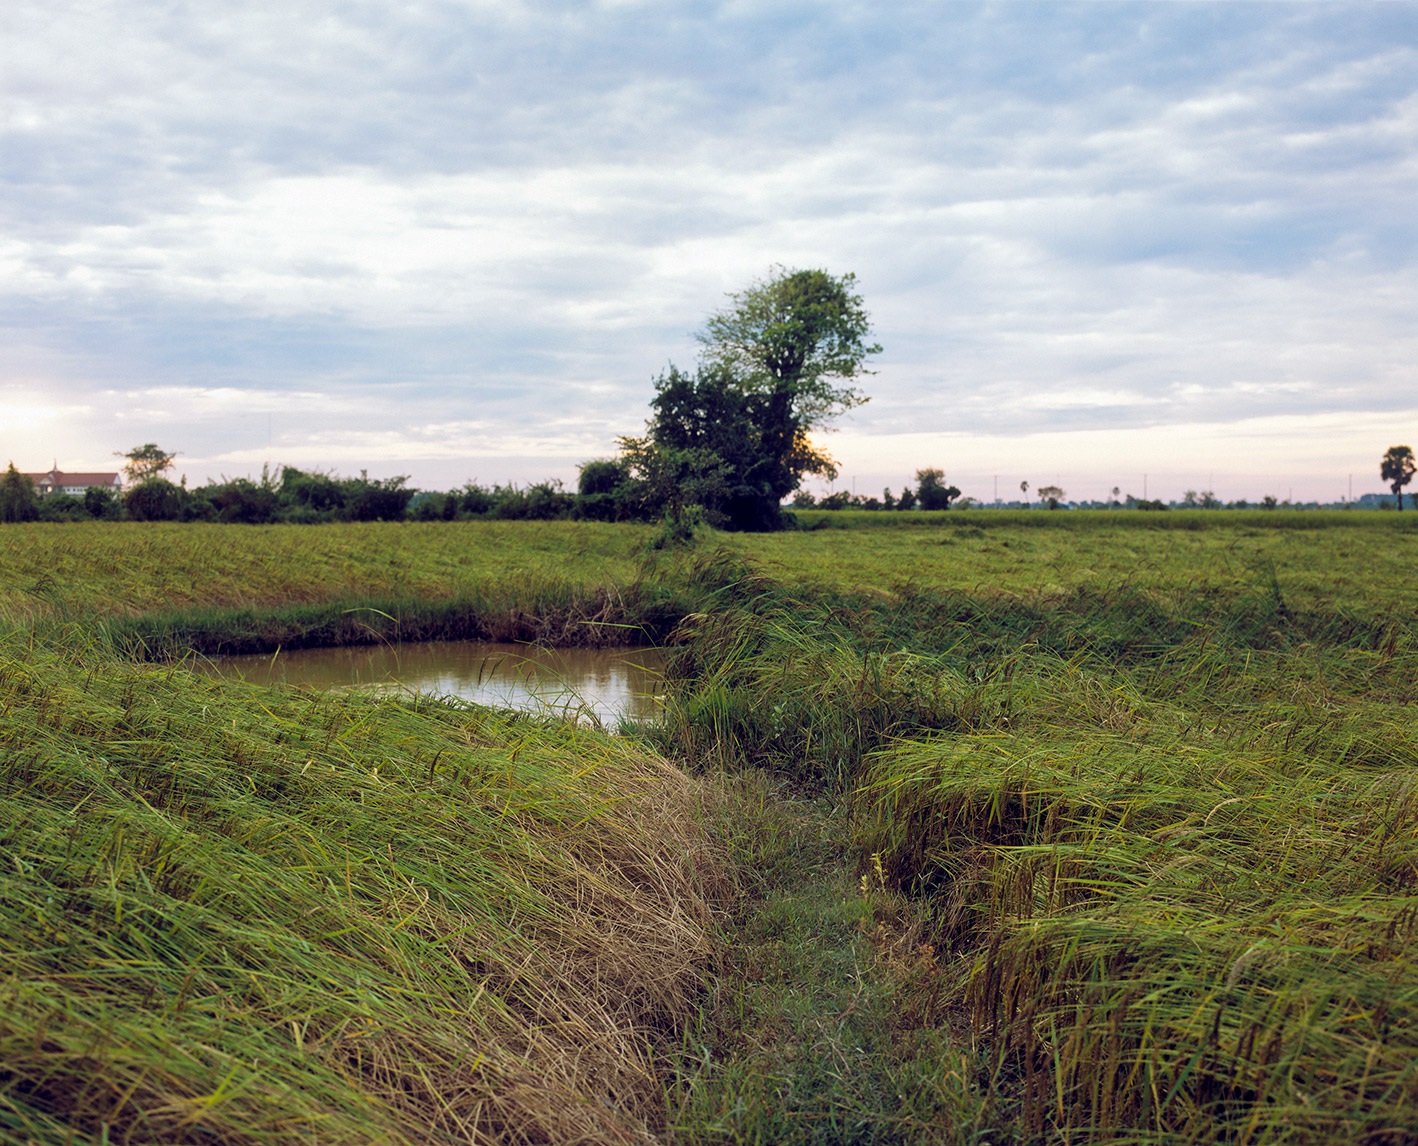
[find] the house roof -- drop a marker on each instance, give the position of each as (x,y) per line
(63,478)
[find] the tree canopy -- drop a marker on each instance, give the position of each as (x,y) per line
(18,500)
(798,333)
(1051,495)
(146,462)
(1397,469)
(775,365)
(934,493)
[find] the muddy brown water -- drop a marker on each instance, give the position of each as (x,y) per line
(610,683)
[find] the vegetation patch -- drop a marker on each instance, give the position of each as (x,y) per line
(1052,834)
(250,915)
(133,569)
(1154,854)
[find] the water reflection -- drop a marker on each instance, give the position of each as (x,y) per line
(607,682)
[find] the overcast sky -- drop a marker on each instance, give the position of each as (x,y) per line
(458,239)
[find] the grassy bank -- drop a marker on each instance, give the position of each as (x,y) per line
(528,610)
(245,915)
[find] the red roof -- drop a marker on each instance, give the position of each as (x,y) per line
(62,478)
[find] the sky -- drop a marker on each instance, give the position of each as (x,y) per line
(1158,247)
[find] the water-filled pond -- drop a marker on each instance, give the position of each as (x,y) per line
(610,683)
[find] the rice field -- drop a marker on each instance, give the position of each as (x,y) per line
(1325,559)
(1152,856)
(252,915)
(1026,828)
(138,568)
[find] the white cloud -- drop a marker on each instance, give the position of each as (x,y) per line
(1064,218)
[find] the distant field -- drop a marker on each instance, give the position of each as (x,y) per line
(1323,559)
(132,568)
(1329,558)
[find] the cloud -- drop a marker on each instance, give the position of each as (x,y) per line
(1065,218)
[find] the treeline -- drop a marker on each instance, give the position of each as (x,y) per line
(607,490)
(290,496)
(930,492)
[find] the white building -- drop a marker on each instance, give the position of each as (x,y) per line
(57,481)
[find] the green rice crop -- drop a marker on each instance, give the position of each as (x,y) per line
(137,568)
(244,915)
(1178,899)
(1325,560)
(1164,842)
(1130,795)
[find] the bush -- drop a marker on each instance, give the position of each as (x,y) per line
(311,496)
(62,507)
(100,501)
(545,501)
(156,499)
(378,500)
(604,492)
(241,501)
(477,501)
(434,507)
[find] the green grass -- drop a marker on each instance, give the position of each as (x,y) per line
(244,915)
(138,568)
(1324,560)
(1162,847)
(808,1035)
(1047,828)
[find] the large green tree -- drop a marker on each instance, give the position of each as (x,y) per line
(778,363)
(146,462)
(1397,469)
